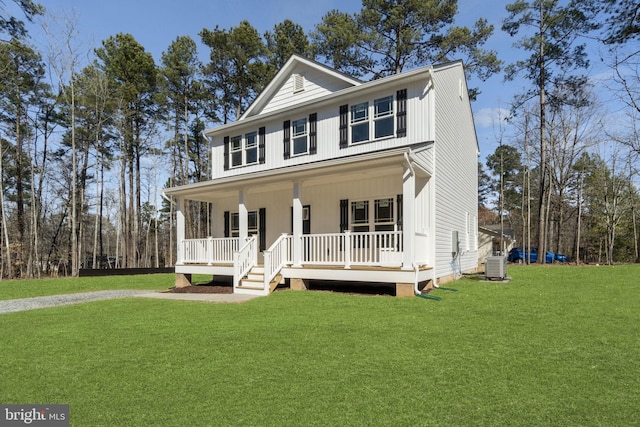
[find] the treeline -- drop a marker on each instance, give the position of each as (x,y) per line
(564,174)
(86,144)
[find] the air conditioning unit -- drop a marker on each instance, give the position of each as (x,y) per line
(495,268)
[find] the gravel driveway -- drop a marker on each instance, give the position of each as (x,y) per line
(11,306)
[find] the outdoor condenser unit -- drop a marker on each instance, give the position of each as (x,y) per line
(495,267)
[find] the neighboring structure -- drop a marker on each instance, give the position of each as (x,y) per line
(326,177)
(490,242)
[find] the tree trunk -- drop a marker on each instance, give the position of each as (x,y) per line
(542,221)
(5,231)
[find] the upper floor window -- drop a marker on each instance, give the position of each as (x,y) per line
(300,137)
(243,150)
(251,148)
(382,125)
(383,117)
(236,151)
(370,121)
(360,122)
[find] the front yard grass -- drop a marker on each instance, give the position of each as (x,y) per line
(557,345)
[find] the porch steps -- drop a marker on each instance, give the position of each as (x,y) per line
(255,280)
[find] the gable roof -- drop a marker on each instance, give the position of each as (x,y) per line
(294,64)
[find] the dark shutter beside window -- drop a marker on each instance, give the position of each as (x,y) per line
(227,224)
(286,127)
(344,215)
(344,126)
(261,150)
(401,117)
(313,133)
(399,221)
(226,153)
(262,232)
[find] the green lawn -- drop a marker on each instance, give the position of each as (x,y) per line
(556,346)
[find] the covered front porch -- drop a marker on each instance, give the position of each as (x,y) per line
(270,227)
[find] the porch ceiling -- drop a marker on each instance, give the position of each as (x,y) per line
(326,172)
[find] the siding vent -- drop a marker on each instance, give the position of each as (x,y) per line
(298,83)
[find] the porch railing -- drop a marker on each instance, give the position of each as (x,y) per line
(244,259)
(275,258)
(209,250)
(381,248)
(374,248)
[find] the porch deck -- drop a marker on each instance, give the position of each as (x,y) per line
(355,257)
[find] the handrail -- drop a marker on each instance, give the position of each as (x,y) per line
(349,248)
(244,259)
(209,250)
(275,258)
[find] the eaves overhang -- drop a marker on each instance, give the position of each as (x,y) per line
(208,191)
(330,99)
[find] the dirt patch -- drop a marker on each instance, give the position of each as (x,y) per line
(203,289)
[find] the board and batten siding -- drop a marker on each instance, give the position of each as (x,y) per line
(323,198)
(420,128)
(456,175)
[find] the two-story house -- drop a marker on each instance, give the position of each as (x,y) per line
(326,177)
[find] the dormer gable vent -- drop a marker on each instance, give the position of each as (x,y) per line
(298,83)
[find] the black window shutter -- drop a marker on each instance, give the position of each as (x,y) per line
(261,150)
(262,214)
(344,215)
(344,126)
(313,133)
(399,220)
(286,127)
(401,116)
(227,224)
(226,153)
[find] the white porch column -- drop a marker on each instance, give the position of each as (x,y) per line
(180,230)
(243,218)
(297,225)
(408,219)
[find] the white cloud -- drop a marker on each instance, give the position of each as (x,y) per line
(489,117)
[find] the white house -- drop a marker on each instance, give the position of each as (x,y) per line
(326,177)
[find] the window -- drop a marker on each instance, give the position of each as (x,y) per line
(252,219)
(360,216)
(382,124)
(236,151)
(383,117)
(300,145)
(360,122)
(384,215)
(251,148)
(242,151)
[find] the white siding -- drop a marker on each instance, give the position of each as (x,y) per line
(456,179)
(316,85)
(419,129)
(324,200)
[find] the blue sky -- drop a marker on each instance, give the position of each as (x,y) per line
(156,23)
